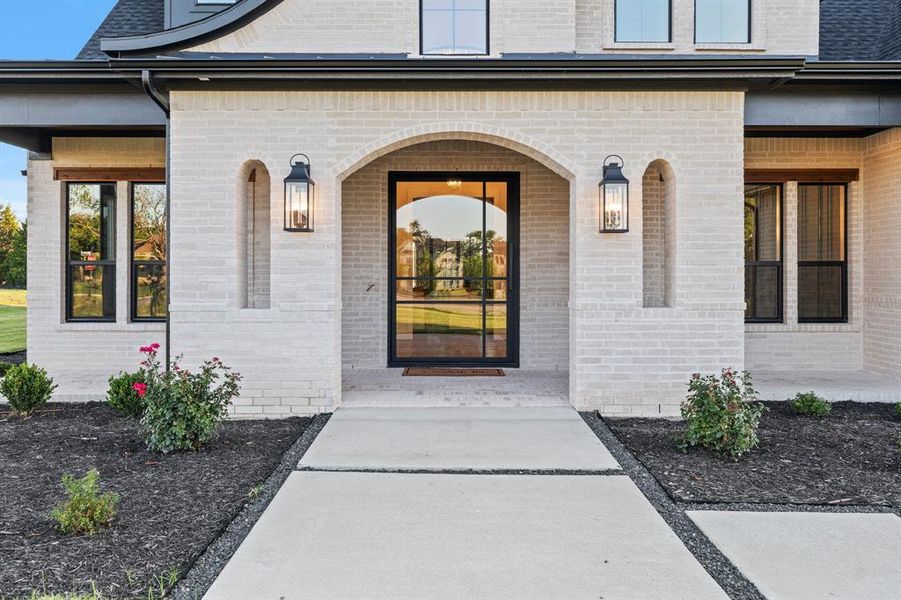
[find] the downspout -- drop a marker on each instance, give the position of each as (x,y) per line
(162,101)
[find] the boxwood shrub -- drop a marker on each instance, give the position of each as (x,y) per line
(123,397)
(26,387)
(808,403)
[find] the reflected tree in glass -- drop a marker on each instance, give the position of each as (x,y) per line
(149,250)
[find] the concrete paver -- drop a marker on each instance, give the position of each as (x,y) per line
(529,438)
(800,555)
(330,535)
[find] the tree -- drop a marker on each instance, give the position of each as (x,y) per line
(9,228)
(14,265)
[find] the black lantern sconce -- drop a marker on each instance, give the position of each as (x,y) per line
(299,195)
(614,197)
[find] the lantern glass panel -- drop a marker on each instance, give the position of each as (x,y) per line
(616,206)
(297,206)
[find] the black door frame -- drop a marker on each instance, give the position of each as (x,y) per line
(513,279)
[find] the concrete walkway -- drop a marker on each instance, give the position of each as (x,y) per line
(382,510)
(437,439)
(835,386)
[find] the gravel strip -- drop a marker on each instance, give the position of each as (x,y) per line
(206,569)
(715,562)
(595,472)
(764,507)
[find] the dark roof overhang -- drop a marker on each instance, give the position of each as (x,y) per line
(257,70)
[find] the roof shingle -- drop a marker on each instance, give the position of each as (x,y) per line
(860,30)
(128,17)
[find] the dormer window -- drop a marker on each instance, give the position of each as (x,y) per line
(454,27)
(642,21)
(722,21)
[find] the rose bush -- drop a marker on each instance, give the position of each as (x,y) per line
(183,408)
(722,413)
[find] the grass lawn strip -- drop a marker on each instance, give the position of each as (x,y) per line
(12,320)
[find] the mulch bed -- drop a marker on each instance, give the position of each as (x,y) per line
(171,507)
(14,358)
(849,458)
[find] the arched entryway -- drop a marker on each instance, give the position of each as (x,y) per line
(495,289)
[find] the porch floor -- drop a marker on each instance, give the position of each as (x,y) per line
(835,386)
(389,388)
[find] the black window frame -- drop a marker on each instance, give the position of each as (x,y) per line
(780,264)
(750,26)
(106,264)
(828,263)
(134,265)
(669,39)
(487,34)
(513,294)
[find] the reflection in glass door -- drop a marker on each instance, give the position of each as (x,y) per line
(453,280)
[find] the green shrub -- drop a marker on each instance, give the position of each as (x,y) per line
(183,409)
(722,413)
(810,404)
(4,367)
(898,410)
(26,388)
(87,510)
(122,395)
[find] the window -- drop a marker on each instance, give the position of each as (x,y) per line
(763,253)
(822,254)
(642,20)
(722,21)
(148,252)
(91,252)
(454,27)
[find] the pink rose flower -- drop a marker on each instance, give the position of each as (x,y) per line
(140,389)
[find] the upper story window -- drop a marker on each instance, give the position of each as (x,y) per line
(91,252)
(642,20)
(454,27)
(722,21)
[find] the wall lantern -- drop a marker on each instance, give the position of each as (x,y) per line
(299,195)
(614,197)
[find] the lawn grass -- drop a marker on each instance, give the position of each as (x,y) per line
(12,321)
(448,318)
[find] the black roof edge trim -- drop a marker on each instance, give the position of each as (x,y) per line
(216,25)
(400,65)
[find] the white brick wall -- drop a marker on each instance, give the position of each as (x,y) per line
(585,26)
(81,356)
(544,250)
(623,358)
(882,252)
(777,27)
(791,345)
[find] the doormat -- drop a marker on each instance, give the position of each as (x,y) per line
(451,372)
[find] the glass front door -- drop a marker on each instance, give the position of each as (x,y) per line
(453,276)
